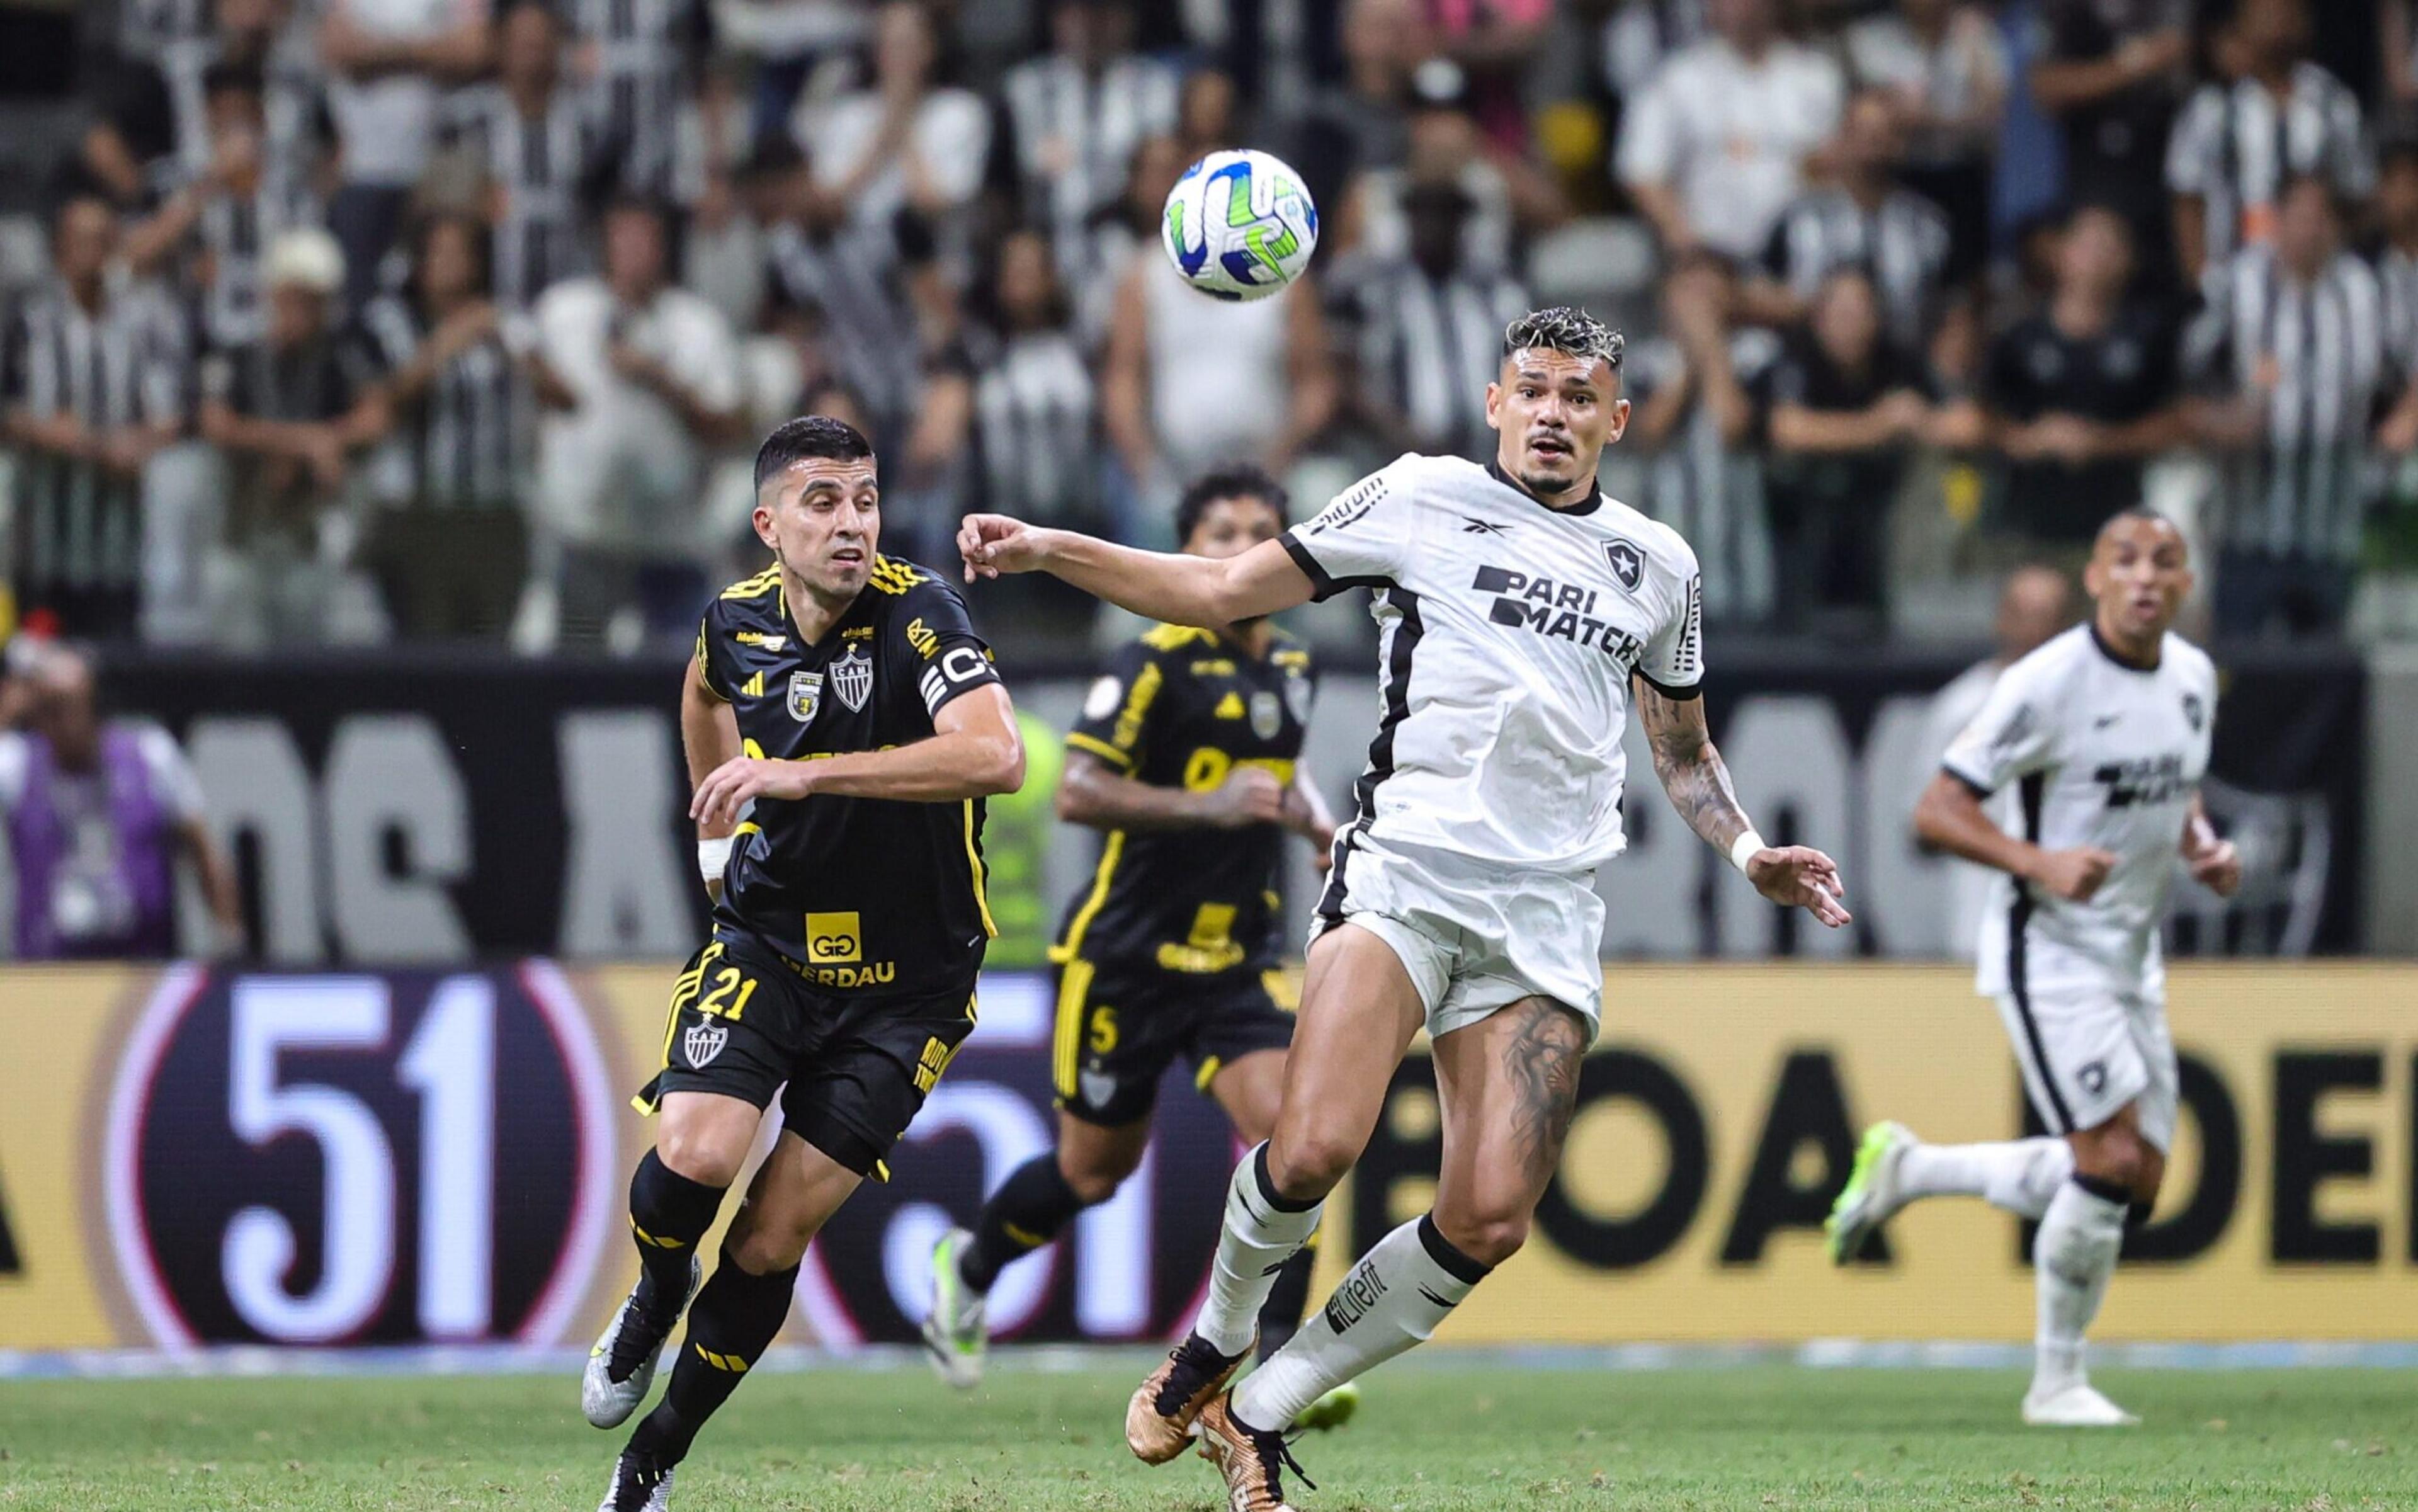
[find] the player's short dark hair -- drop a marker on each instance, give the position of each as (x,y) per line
(1241,481)
(1565,328)
(2138,512)
(807,437)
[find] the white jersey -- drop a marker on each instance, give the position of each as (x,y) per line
(2106,754)
(1508,632)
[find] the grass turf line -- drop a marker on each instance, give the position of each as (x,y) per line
(2310,1441)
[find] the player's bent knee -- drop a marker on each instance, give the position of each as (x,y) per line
(706,1156)
(1306,1165)
(1095,1183)
(2115,1153)
(1489,1239)
(764,1249)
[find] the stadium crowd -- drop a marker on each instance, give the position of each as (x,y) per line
(347,320)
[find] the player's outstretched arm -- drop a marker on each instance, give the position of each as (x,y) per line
(1693,774)
(1177,589)
(1948,816)
(974,752)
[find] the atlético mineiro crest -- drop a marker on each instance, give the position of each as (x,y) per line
(1267,715)
(1627,562)
(805,696)
(851,677)
(2194,712)
(701,1043)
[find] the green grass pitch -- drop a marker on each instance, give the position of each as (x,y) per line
(1430,1435)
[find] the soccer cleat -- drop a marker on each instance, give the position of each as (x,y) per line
(635,1342)
(1331,1411)
(638,1487)
(954,1331)
(1870,1194)
(1158,1420)
(2078,1405)
(1252,1459)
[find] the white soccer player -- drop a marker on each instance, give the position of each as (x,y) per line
(1519,612)
(2105,731)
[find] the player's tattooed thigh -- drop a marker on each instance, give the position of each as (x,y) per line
(1541,1062)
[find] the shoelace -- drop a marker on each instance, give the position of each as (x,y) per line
(631,1349)
(1276,1454)
(643,1480)
(1193,1369)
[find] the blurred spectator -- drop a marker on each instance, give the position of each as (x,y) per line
(1190,383)
(1944,70)
(1844,409)
(1360,125)
(1116,232)
(1864,219)
(1427,334)
(451,552)
(290,412)
(99,813)
(1204,113)
(2112,75)
(1446,147)
(644,378)
(2293,346)
(844,275)
(2081,394)
(92,381)
(213,228)
(2396,260)
(146,28)
(1071,119)
(528,143)
(1641,35)
(390,62)
(1035,408)
(155,129)
(640,60)
(2036,603)
(2397,42)
(1717,145)
(906,141)
(1494,40)
(1696,422)
(2237,142)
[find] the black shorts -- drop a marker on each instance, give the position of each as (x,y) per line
(742,1022)
(1120,1029)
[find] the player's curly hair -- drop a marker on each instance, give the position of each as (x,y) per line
(1565,328)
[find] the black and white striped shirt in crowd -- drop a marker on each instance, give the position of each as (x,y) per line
(1428,347)
(146,28)
(2234,145)
(540,164)
(2396,275)
(226,294)
(1704,486)
(1903,243)
(2322,344)
(1071,136)
(868,333)
(466,443)
(295,128)
(126,364)
(646,54)
(1036,425)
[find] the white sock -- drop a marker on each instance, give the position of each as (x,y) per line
(1261,1232)
(2072,1258)
(2019,1175)
(1393,1299)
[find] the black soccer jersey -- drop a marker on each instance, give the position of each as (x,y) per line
(1182,707)
(862,894)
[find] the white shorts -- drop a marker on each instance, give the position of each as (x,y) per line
(2087,1052)
(1474,938)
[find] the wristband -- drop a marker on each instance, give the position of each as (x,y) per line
(1744,849)
(713,857)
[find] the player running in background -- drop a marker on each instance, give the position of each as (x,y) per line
(844,695)
(2105,731)
(1186,756)
(1519,612)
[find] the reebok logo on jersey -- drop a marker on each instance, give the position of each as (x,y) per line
(1354,1297)
(1564,611)
(1473,526)
(2104,720)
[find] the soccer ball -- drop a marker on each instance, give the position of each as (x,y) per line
(1238,226)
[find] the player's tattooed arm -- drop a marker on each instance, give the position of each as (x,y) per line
(1698,781)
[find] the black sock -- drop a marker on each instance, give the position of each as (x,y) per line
(668,1214)
(1026,1213)
(1280,1315)
(734,1318)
